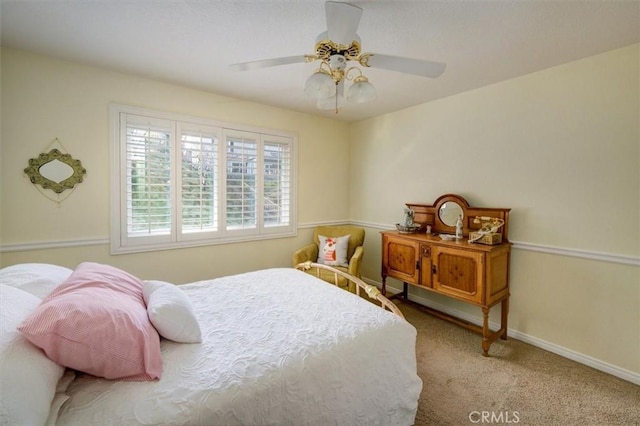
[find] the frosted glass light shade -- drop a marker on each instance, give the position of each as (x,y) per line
(320,85)
(361,91)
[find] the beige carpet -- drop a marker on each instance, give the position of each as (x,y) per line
(518,384)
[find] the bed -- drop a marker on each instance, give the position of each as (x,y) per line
(277,347)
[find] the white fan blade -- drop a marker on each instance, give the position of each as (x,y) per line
(406,65)
(342,21)
(267,63)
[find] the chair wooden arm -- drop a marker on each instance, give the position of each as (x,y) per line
(371,290)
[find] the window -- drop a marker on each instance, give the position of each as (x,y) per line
(183,181)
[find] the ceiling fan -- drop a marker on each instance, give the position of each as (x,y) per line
(334,49)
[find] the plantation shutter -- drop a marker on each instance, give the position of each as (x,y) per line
(241,180)
(199,181)
(186,181)
(148,175)
(277,182)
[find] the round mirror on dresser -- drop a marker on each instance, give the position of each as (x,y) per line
(449,213)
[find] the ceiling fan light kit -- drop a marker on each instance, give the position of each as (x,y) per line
(334,49)
(320,85)
(361,90)
(326,84)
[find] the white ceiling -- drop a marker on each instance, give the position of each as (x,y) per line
(193,42)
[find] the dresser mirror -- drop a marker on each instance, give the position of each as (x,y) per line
(441,216)
(449,213)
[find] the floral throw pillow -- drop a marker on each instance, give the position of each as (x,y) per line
(333,250)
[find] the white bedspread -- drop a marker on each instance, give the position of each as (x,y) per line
(279,348)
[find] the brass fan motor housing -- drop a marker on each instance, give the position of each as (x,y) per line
(325,48)
(352,52)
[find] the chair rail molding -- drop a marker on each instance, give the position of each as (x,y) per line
(518,245)
(43,245)
(623,259)
(584,254)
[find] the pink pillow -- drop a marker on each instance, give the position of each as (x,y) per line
(96,322)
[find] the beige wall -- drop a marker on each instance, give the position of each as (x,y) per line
(44,98)
(559,147)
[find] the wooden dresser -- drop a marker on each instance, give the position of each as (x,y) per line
(470,272)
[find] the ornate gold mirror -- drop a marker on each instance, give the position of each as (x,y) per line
(55,171)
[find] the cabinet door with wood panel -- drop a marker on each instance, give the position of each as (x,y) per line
(458,273)
(400,258)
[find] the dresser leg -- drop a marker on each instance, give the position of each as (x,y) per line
(405,291)
(486,332)
(503,319)
(384,285)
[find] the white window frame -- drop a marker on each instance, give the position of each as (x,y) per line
(123,242)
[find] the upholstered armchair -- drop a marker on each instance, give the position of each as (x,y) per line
(325,240)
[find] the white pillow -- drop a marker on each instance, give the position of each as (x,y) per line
(171,312)
(28,378)
(38,279)
(333,250)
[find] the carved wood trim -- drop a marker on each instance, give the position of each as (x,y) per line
(427,214)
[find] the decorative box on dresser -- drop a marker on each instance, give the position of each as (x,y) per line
(471,272)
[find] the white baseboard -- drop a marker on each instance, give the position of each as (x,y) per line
(621,373)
